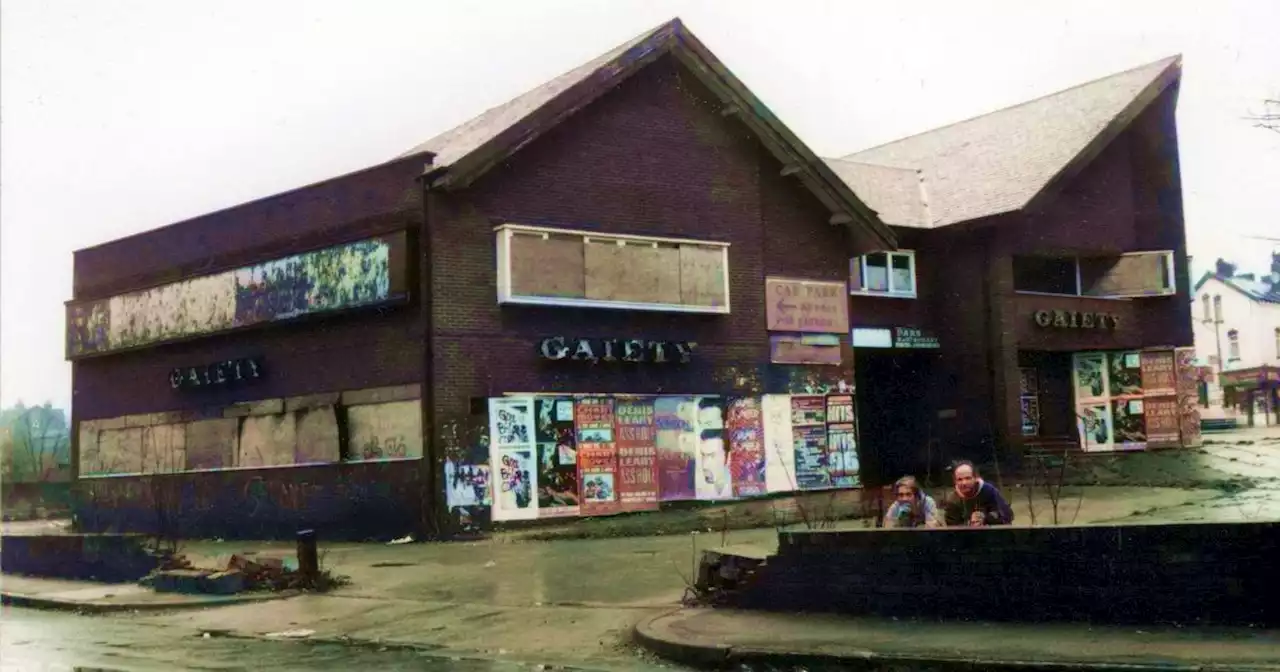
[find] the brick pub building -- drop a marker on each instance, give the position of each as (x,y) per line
(315,358)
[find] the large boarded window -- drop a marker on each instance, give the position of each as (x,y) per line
(577,268)
(1134,274)
(341,277)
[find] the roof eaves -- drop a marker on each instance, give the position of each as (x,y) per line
(814,172)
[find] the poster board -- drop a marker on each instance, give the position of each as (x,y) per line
(513,465)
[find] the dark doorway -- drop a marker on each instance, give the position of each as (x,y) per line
(896,414)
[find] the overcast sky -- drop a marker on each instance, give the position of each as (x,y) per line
(122,116)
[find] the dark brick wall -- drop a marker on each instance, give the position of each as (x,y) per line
(370,348)
(381,198)
(1186,573)
(1127,198)
(655,157)
(351,502)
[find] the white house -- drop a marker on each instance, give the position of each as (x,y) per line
(1237,333)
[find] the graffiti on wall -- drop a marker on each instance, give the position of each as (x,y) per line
(467,473)
(335,278)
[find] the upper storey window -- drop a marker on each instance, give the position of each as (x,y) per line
(1133,274)
(561,267)
(884,274)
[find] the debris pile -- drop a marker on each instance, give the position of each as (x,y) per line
(176,573)
(722,573)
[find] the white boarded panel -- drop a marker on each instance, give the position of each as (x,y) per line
(385,431)
(267,440)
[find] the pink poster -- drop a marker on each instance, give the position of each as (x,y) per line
(637,454)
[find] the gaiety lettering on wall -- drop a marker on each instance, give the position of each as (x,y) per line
(229,372)
(557,348)
(1071,319)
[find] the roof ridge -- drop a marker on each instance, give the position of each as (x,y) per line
(1171,60)
(594,62)
(875,164)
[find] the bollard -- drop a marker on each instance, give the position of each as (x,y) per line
(308,558)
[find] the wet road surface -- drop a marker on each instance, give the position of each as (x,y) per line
(32,641)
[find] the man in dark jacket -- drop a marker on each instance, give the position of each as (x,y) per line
(975,502)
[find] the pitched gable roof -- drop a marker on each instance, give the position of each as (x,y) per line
(1263,290)
(1000,162)
(466,152)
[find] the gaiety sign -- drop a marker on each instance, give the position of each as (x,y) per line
(1073,319)
(636,350)
(229,372)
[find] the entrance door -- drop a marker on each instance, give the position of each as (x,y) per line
(896,414)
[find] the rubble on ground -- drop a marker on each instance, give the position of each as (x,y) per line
(722,572)
(176,573)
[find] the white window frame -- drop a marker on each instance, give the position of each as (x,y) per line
(504,233)
(1233,345)
(859,265)
(1169,290)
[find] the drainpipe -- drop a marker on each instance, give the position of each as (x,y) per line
(434,515)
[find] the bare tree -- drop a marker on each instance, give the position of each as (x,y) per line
(39,434)
(1270,116)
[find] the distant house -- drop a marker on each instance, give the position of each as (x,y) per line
(1237,334)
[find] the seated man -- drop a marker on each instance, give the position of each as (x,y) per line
(976,503)
(911,506)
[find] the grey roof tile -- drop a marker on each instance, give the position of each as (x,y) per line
(896,194)
(460,141)
(998,162)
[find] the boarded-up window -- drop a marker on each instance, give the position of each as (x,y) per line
(267,441)
(579,268)
(1138,274)
(385,431)
(317,430)
(632,272)
(119,452)
(547,266)
(212,444)
(164,449)
(702,276)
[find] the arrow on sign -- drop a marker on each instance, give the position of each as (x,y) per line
(783,306)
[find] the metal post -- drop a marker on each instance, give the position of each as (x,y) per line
(308,558)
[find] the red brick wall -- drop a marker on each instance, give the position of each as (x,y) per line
(653,156)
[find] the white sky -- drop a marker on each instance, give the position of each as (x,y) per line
(123,116)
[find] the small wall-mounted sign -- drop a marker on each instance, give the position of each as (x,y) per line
(1071,319)
(230,372)
(911,338)
(812,306)
(636,350)
(823,349)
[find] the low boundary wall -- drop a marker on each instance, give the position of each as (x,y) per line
(1183,573)
(110,558)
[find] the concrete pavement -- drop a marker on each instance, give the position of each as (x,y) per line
(577,602)
(91,597)
(729,638)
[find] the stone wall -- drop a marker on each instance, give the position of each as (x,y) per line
(1186,573)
